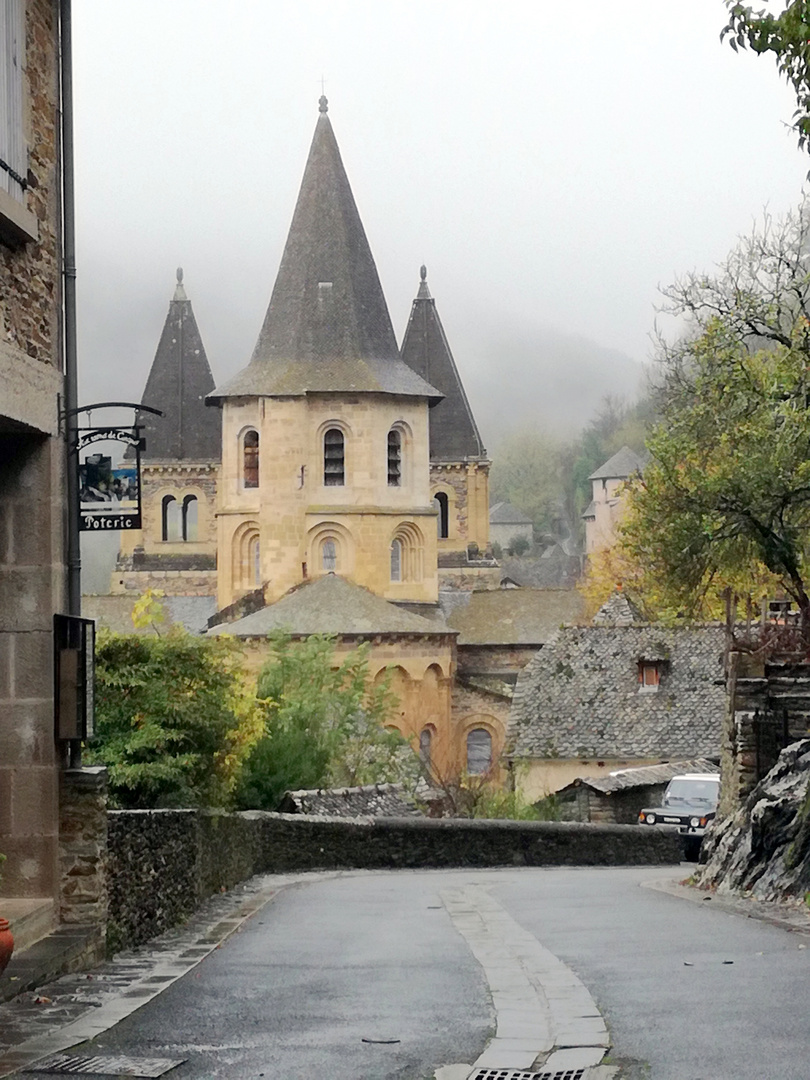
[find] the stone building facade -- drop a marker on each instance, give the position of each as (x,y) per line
(32,447)
(605,510)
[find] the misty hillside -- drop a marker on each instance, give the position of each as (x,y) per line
(545,377)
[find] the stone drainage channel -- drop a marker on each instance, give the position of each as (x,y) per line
(547,1024)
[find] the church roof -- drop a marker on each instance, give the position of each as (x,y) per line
(331,605)
(453,432)
(327,328)
(624,463)
(178,382)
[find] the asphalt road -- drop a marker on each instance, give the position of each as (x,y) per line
(374,956)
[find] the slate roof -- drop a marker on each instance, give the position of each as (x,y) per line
(646,776)
(624,463)
(114,611)
(327,328)
(503,513)
(371,800)
(514,616)
(454,435)
(580,696)
(179,380)
(618,610)
(331,605)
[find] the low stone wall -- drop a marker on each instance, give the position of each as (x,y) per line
(164,863)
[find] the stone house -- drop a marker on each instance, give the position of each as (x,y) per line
(604,512)
(32,453)
(604,697)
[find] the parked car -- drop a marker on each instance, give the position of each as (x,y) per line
(689,804)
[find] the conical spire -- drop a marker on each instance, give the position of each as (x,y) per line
(178,382)
(327,327)
(453,432)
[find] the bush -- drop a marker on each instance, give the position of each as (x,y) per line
(324,725)
(174,718)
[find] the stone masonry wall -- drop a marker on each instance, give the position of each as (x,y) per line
(83,846)
(30,284)
(163,863)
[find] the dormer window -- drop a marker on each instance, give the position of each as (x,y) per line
(649,675)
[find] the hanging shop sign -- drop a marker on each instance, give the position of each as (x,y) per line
(109,492)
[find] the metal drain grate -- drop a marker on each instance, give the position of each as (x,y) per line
(105,1066)
(517,1074)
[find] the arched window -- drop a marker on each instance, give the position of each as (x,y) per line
(190,517)
(425,739)
(171,519)
(479,751)
(443,522)
(255,560)
(394,458)
(250,460)
(333,458)
(396,560)
(329,555)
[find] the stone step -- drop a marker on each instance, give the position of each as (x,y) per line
(30,919)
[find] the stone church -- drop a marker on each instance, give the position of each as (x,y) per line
(337,483)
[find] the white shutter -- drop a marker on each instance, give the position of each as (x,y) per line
(12,48)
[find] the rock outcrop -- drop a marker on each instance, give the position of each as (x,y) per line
(764,848)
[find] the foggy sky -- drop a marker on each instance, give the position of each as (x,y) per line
(552,164)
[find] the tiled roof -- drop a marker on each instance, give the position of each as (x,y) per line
(624,463)
(115,612)
(514,616)
(179,379)
(503,513)
(371,800)
(331,605)
(327,328)
(646,776)
(580,696)
(454,435)
(618,610)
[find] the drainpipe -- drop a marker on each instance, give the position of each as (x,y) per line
(74,561)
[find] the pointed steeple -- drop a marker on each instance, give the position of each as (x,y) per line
(453,432)
(327,327)
(178,382)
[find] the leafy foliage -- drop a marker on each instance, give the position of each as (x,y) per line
(324,726)
(726,498)
(787,35)
(174,718)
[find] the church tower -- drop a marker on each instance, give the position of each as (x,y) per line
(175,551)
(459,469)
(325,459)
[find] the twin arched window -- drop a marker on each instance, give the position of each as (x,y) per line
(179,520)
(250,459)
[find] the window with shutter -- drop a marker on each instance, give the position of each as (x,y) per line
(13,157)
(394,458)
(333,458)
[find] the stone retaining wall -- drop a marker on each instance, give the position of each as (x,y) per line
(164,863)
